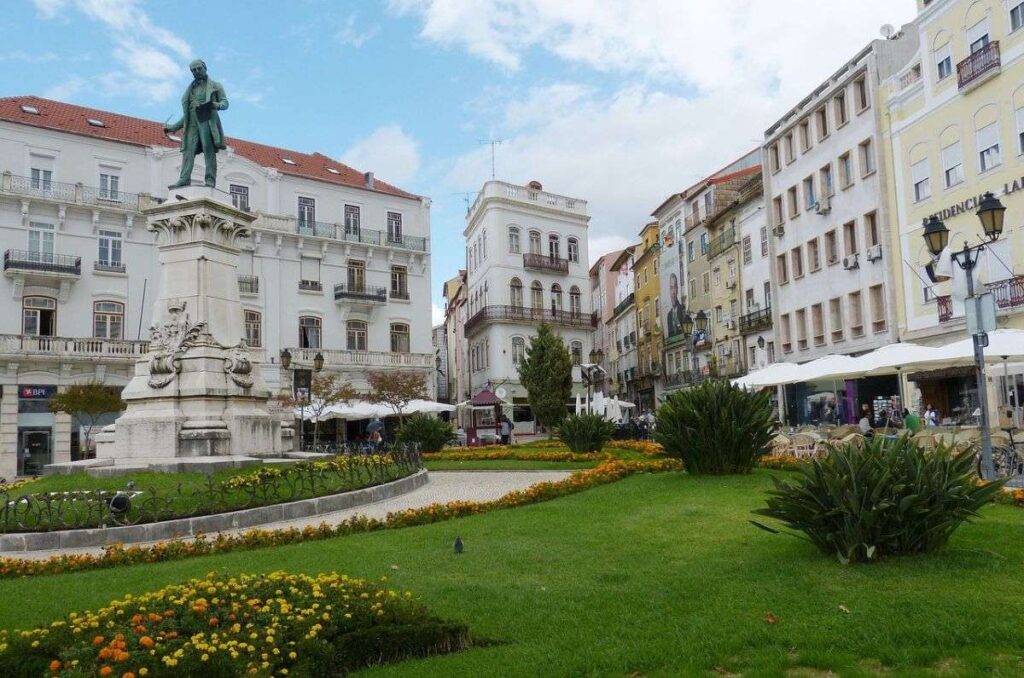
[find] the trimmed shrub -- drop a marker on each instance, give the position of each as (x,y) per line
(716,428)
(430,433)
(887,498)
(584,433)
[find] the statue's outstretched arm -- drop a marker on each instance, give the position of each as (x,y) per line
(175,126)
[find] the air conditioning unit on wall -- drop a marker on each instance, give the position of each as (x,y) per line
(874,253)
(823,206)
(850,262)
(779,231)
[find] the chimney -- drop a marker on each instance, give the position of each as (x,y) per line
(368,179)
(535,185)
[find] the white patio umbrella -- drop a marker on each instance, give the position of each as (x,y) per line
(772,375)
(894,358)
(1008,343)
(598,404)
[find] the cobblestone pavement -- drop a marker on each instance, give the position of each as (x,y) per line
(444,486)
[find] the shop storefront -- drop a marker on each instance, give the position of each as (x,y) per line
(952,392)
(839,401)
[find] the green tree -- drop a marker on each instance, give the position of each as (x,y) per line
(87,403)
(325,391)
(546,373)
(396,388)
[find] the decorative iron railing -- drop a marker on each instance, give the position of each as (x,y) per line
(529,315)
(22,260)
(360,293)
(755,321)
(108,267)
(544,262)
(624,304)
(311,285)
(944,305)
(271,484)
(248,284)
(1008,293)
(979,65)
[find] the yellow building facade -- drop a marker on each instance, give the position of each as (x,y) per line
(648,316)
(954,130)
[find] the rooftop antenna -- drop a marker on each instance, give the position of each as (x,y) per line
(492,143)
(887,31)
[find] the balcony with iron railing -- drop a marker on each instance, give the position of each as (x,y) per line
(46,263)
(533,316)
(944,307)
(108,267)
(721,242)
(72,347)
(64,192)
(360,292)
(756,320)
(337,231)
(1008,293)
(624,304)
(544,262)
(311,286)
(248,285)
(979,66)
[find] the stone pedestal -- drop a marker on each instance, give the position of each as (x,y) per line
(196,393)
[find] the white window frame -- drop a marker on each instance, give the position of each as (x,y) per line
(113,243)
(113,311)
(1017,15)
(239,196)
(1019,116)
(952,159)
(987,139)
(920,180)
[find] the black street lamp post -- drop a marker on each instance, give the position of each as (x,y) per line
(990,212)
(690,324)
(304,375)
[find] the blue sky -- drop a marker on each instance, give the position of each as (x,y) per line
(619,102)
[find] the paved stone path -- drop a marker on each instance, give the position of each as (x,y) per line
(444,486)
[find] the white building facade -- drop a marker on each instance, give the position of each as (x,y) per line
(338,263)
(526,263)
(755,321)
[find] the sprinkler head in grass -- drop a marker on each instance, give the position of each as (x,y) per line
(458,545)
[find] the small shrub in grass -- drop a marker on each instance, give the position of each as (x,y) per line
(715,428)
(888,498)
(265,625)
(584,433)
(430,433)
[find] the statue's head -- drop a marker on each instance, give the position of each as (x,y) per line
(198,68)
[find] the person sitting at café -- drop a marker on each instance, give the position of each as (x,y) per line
(911,421)
(865,421)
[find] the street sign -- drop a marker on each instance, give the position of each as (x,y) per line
(981,314)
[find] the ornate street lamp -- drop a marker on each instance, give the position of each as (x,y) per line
(936,235)
(593,356)
(318,361)
(702,321)
(687,323)
(991,213)
(286,359)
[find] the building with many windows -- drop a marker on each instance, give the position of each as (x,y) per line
(338,263)
(956,132)
(526,263)
(623,360)
(602,292)
(824,184)
(647,283)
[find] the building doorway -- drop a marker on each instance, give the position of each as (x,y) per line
(35,450)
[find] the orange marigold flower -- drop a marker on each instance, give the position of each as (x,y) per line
(146,642)
(98,640)
(55,665)
(106,671)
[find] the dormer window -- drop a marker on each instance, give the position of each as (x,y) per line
(32,110)
(174,137)
(331,170)
(95,123)
(288,161)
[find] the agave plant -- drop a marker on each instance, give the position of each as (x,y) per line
(888,498)
(716,428)
(585,433)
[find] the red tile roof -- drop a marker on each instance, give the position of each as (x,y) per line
(72,119)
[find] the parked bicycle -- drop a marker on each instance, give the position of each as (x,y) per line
(1007,458)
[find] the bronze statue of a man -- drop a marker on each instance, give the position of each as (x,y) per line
(200,124)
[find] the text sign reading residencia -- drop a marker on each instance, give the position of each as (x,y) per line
(971,204)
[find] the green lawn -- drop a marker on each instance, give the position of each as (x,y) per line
(652,576)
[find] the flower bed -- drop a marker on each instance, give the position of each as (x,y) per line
(645,447)
(488,454)
(263,625)
(45,511)
(113,556)
(781,462)
(1010,496)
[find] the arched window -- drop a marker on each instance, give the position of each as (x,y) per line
(534,242)
(574,301)
(518,350)
(536,295)
(574,250)
(309,332)
(513,239)
(554,247)
(556,298)
(399,338)
(253,328)
(516,293)
(108,320)
(355,335)
(39,316)
(576,352)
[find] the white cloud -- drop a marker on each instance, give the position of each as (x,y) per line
(150,58)
(66,90)
(29,58)
(354,35)
(688,87)
(388,152)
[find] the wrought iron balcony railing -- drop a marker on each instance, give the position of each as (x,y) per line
(42,262)
(108,267)
(529,315)
(544,262)
(1008,293)
(357,292)
(624,304)
(66,192)
(311,285)
(944,306)
(755,321)
(248,284)
(979,66)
